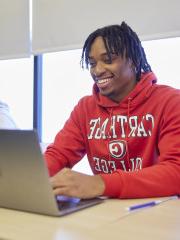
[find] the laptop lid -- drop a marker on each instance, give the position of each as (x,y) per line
(24,179)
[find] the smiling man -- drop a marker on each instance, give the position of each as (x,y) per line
(126,127)
(114,75)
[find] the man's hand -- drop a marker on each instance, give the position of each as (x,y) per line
(74,184)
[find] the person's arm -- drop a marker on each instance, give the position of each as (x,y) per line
(68,147)
(6,120)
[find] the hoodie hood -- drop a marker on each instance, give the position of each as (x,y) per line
(142,90)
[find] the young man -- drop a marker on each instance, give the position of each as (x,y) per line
(129,128)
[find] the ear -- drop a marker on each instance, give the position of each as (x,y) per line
(130,62)
(131,65)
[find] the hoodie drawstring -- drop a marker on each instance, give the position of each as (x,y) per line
(127,132)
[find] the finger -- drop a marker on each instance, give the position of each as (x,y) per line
(60,178)
(62,191)
(65,170)
(53,182)
(57,182)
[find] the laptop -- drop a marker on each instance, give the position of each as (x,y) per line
(24,179)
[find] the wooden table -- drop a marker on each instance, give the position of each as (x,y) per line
(109,220)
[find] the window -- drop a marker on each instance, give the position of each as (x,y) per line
(16,89)
(163,55)
(64,83)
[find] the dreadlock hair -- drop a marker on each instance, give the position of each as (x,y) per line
(120,40)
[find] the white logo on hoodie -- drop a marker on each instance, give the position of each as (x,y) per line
(117,148)
(119,126)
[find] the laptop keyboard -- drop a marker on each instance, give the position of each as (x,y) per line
(70,202)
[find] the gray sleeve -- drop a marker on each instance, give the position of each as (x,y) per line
(6,121)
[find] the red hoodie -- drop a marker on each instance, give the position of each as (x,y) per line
(134,145)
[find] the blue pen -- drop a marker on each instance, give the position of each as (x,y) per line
(149,204)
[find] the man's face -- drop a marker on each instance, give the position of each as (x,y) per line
(114,79)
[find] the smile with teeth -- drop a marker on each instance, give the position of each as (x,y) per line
(103,81)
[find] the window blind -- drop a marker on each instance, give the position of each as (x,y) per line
(65,24)
(14,29)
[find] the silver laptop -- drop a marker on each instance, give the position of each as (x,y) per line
(24,179)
